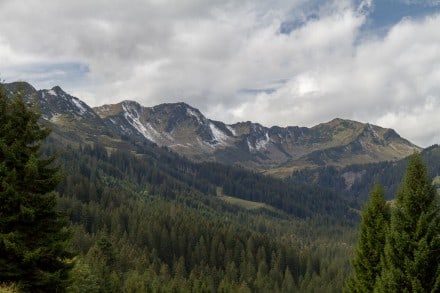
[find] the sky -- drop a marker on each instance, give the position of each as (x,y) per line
(280,62)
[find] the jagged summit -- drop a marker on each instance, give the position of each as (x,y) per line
(57,91)
(52,102)
(56,101)
(176,105)
(176,125)
(184,129)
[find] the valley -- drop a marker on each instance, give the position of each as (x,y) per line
(163,199)
(219,146)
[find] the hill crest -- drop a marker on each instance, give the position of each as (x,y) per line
(185,130)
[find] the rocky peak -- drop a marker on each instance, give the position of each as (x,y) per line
(176,113)
(20,87)
(57,91)
(55,102)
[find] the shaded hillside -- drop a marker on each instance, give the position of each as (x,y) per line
(165,173)
(357,180)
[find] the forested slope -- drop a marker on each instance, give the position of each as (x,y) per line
(144,222)
(354,182)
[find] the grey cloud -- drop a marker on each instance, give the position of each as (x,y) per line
(392,81)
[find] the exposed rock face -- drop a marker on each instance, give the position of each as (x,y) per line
(184,129)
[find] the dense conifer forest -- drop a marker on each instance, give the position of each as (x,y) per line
(140,229)
(388,174)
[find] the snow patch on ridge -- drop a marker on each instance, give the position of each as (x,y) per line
(219,136)
(231,130)
(80,107)
(261,144)
(187,145)
(192,113)
(132,116)
(370,127)
(52,93)
(250,147)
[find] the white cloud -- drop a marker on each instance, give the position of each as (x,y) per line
(392,81)
(217,55)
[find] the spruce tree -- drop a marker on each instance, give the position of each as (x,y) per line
(412,249)
(33,235)
(370,246)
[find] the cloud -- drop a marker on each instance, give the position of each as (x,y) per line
(274,62)
(392,81)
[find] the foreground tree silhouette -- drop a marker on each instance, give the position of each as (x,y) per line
(412,249)
(369,250)
(33,236)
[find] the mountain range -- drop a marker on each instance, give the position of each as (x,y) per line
(186,131)
(152,189)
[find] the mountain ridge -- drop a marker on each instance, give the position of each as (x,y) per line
(184,129)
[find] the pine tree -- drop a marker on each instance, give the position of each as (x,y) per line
(370,246)
(412,249)
(33,235)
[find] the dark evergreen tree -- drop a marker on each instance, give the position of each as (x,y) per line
(412,249)
(33,235)
(371,243)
